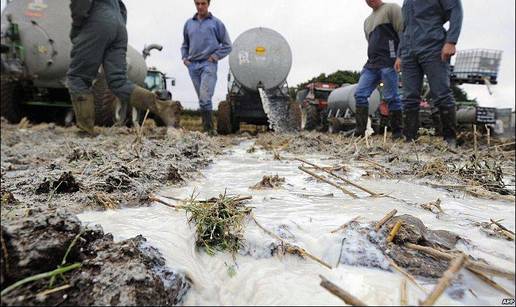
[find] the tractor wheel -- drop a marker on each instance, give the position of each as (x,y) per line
(224,126)
(294,115)
(309,117)
(109,110)
(11,103)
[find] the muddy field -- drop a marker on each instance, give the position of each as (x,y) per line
(483,171)
(53,167)
(50,173)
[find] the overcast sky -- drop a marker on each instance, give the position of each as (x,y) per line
(324,35)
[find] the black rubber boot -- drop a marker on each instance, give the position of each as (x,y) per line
(411,125)
(449,123)
(206,120)
(395,118)
(436,122)
(361,117)
(207,123)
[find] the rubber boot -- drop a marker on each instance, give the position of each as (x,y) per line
(361,117)
(207,123)
(436,122)
(411,125)
(169,111)
(395,118)
(449,123)
(84,108)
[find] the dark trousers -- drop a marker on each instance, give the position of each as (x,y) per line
(414,68)
(100,42)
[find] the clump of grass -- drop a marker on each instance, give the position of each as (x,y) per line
(436,167)
(219,222)
(105,200)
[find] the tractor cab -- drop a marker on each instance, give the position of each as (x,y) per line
(156,82)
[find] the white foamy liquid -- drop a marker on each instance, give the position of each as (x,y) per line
(307,221)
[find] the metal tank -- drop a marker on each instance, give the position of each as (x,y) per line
(260,56)
(344,98)
(44,45)
(257,91)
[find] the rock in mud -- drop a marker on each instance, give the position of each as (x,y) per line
(269,182)
(174,175)
(65,184)
(130,272)
(414,231)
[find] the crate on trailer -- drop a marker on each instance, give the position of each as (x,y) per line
(476,66)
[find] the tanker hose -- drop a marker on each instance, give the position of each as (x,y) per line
(146,51)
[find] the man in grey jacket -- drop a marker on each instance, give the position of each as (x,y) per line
(99,37)
(426,48)
(206,42)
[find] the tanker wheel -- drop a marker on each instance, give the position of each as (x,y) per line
(294,115)
(224,126)
(235,121)
(310,117)
(108,109)
(323,115)
(334,125)
(11,103)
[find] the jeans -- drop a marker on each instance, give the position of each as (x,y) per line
(204,79)
(369,80)
(414,67)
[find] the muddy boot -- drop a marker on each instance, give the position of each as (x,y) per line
(207,123)
(411,125)
(395,117)
(169,111)
(361,117)
(449,123)
(84,108)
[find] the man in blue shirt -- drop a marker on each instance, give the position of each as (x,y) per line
(426,48)
(206,42)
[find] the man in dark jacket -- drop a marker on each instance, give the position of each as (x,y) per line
(99,37)
(381,31)
(426,48)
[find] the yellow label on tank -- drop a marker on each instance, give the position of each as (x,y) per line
(42,49)
(260,50)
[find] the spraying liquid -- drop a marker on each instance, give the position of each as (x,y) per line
(277,112)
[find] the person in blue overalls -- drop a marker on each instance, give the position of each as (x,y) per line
(426,48)
(206,42)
